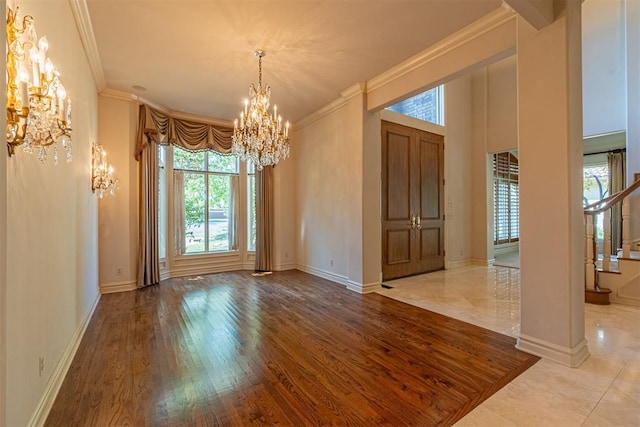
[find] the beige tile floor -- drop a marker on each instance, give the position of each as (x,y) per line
(603,391)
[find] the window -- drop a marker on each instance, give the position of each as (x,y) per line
(506,195)
(205,201)
(162,201)
(595,187)
(251,217)
(427,106)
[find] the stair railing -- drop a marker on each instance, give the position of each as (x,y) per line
(591,248)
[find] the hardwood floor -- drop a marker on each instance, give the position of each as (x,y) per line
(288,349)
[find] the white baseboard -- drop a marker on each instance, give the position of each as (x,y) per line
(572,357)
(54,383)
(286,266)
(448,265)
(324,274)
(203,270)
(111,288)
(363,288)
(483,262)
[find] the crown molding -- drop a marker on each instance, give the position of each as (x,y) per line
(130,97)
(474,30)
(118,94)
(354,90)
(322,112)
(81,16)
(350,92)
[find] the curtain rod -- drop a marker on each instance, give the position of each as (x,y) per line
(617,150)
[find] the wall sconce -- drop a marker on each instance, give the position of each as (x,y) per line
(38,109)
(102,180)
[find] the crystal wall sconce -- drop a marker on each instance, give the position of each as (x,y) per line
(38,109)
(102,179)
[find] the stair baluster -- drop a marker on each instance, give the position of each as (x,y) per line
(590,268)
(606,241)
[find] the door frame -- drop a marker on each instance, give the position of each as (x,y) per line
(392,116)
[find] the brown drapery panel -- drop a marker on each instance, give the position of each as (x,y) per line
(264,218)
(234,209)
(162,128)
(148,262)
(617,173)
(179,244)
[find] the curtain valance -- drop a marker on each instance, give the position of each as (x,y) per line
(154,126)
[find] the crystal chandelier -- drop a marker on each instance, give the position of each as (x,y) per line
(102,179)
(260,136)
(38,110)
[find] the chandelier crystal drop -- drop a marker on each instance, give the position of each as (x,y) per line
(260,136)
(38,109)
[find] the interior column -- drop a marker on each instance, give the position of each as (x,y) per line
(551,219)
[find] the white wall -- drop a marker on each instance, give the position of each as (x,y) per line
(324,151)
(285,193)
(481,197)
(502,106)
(52,264)
(459,207)
(603,66)
(118,219)
(494,129)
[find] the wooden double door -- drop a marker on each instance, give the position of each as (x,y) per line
(412,201)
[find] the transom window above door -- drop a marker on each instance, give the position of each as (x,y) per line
(427,106)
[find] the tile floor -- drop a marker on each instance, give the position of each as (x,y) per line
(604,391)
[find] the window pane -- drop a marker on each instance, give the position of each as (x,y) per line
(222,163)
(194,212)
(187,160)
(251,209)
(162,202)
(219,192)
(595,183)
(427,106)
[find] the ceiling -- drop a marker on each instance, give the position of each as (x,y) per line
(197,57)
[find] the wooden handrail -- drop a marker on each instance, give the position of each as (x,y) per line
(608,202)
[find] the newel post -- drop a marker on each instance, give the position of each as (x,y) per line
(626,215)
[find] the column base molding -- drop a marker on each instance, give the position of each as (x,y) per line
(572,357)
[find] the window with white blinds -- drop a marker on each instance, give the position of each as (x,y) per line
(506,198)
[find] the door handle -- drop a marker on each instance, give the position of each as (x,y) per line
(419,226)
(413,222)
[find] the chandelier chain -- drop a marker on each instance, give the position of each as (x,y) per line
(260,70)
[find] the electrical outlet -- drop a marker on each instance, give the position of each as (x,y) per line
(119,271)
(40,365)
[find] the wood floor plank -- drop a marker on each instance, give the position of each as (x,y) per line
(286,349)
